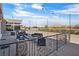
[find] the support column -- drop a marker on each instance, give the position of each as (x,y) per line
(2,23)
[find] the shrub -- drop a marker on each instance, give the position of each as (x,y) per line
(76,32)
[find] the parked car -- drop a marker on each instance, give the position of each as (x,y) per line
(28,36)
(20,36)
(24,36)
(39,35)
(36,36)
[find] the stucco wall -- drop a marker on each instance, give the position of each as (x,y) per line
(0,27)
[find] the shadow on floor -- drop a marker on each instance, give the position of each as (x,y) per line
(71,49)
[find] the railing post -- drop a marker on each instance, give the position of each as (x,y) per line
(65,39)
(17,49)
(9,51)
(57,42)
(3,52)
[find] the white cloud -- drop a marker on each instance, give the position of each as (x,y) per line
(37,6)
(74,9)
(18,6)
(40,17)
(15,4)
(19,10)
(20,13)
(70,9)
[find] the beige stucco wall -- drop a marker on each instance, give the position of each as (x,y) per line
(2,28)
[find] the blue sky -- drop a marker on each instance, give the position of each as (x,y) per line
(41,14)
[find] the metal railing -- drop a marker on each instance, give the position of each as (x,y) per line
(37,47)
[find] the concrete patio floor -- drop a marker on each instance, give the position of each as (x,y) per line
(71,49)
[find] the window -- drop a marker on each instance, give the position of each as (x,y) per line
(9,28)
(17,27)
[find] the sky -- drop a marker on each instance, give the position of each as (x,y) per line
(41,14)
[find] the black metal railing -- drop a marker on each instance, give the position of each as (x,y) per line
(37,47)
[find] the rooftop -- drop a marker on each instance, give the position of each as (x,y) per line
(13,21)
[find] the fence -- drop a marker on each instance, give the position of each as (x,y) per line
(37,47)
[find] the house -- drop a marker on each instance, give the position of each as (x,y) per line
(13,24)
(9,29)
